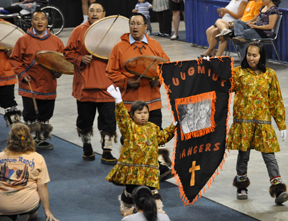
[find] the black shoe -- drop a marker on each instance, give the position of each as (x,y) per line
(43,145)
(88,152)
(281,198)
(242,194)
(107,158)
(165,172)
(160,34)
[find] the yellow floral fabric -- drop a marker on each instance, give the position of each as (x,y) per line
(138,161)
(257,98)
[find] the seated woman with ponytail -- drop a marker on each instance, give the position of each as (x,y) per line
(145,206)
(23,178)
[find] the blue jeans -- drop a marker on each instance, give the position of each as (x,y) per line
(242,30)
(269,159)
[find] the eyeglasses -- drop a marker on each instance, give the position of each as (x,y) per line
(135,24)
(97,11)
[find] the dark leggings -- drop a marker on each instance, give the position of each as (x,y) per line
(7,98)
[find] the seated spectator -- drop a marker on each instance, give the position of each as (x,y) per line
(23,178)
(234,10)
(262,28)
(146,208)
(17,7)
(250,14)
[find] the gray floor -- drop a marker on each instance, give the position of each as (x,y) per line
(259,205)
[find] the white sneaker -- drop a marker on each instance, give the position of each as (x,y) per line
(148,32)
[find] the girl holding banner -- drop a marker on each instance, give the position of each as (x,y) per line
(138,161)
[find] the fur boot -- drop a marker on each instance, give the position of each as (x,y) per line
(279,191)
(276,190)
(164,164)
(163,157)
(45,131)
(85,135)
(106,142)
(44,134)
(88,153)
(108,136)
(12,115)
(241,184)
(34,127)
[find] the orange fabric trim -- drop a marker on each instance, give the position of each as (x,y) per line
(176,176)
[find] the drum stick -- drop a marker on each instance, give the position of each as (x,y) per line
(146,70)
(34,100)
(106,33)
(9,33)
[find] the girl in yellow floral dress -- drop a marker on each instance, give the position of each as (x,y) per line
(138,161)
(257,98)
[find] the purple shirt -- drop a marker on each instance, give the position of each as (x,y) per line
(263,19)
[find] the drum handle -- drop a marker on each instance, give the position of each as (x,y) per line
(106,33)
(146,70)
(34,100)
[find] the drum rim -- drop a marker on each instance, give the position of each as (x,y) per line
(143,56)
(14,26)
(102,19)
(53,52)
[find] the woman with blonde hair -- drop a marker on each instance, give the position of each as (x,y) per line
(23,178)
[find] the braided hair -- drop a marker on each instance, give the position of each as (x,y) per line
(20,139)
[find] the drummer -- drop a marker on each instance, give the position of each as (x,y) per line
(89,88)
(43,81)
(133,44)
(8,79)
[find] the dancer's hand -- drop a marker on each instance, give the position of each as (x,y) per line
(115,93)
(283,134)
(154,83)
(175,123)
(132,83)
(86,59)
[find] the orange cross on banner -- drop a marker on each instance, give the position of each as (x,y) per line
(192,170)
